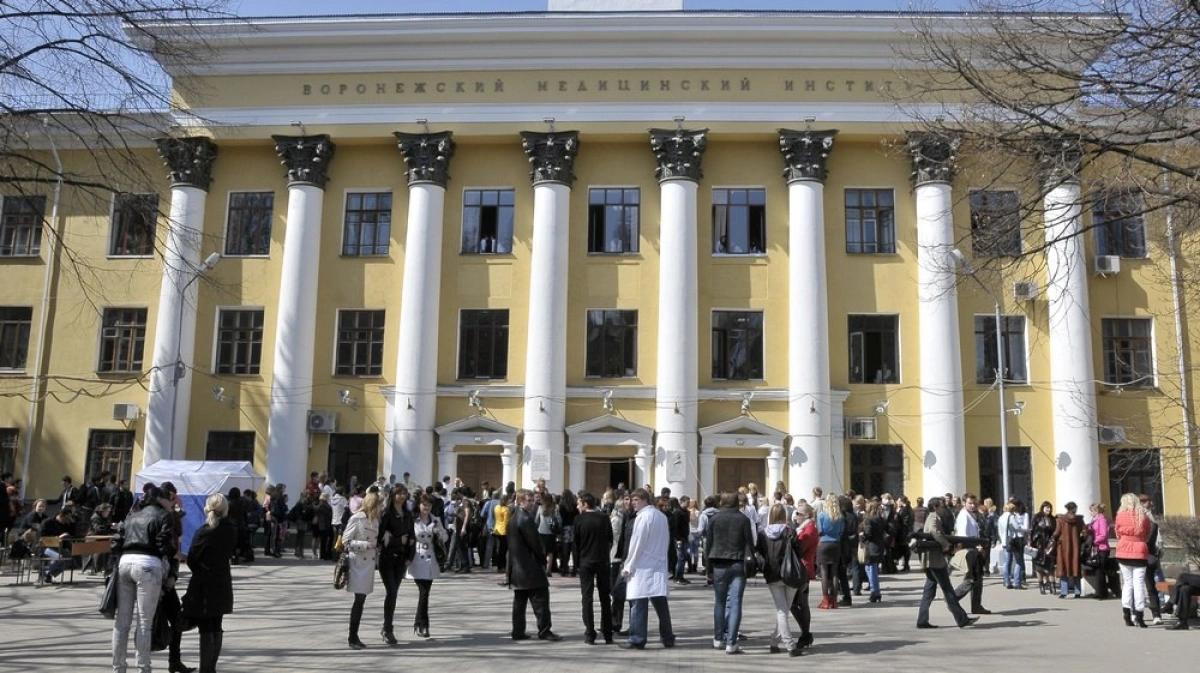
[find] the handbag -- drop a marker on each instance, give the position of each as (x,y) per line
(791,569)
(108,600)
(439,550)
(862,553)
(160,631)
(341,571)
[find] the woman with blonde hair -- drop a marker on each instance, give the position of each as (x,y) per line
(778,536)
(209,594)
(361,542)
(829,551)
(1133,530)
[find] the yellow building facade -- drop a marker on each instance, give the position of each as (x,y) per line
(691,250)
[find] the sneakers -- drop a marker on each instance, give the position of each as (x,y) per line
(718,644)
(733,649)
(1157,621)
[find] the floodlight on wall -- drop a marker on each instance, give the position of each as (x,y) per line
(218,393)
(424,124)
(607,401)
(549,121)
(881,407)
(300,125)
(746,397)
(474,401)
(346,398)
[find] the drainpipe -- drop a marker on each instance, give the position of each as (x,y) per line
(35,401)
(1184,387)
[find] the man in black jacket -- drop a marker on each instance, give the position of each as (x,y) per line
(526,572)
(679,521)
(593,542)
(729,541)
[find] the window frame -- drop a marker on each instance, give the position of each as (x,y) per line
(990,219)
(846,206)
(751,210)
(986,337)
(636,234)
(32,247)
(896,350)
(218,328)
(460,361)
(132,332)
(7,323)
(727,346)
(10,439)
(1145,380)
(123,453)
(499,206)
(125,205)
(346,250)
(229,198)
(630,332)
(232,451)
(374,347)
(1105,227)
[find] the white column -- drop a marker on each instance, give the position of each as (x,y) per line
(447,462)
(942,434)
(577,460)
(1073,391)
(412,445)
(708,468)
(837,440)
(676,417)
(809,460)
(643,465)
(774,466)
(508,464)
(190,163)
(307,159)
(552,156)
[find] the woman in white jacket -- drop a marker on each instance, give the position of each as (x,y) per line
(360,539)
(423,569)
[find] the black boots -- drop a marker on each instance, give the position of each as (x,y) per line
(210,650)
(1125,612)
(1137,619)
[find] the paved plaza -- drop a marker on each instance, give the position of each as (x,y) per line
(289,618)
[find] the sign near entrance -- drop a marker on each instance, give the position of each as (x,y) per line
(676,466)
(539,464)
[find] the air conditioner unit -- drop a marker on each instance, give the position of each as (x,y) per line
(125,412)
(322,421)
(860,427)
(1107,265)
(1111,434)
(1025,290)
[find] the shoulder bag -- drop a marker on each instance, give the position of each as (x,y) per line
(341,570)
(791,569)
(108,600)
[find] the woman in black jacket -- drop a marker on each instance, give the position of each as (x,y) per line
(873,536)
(210,592)
(323,528)
(396,540)
(145,544)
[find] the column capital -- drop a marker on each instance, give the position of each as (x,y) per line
(1059,158)
(427,156)
(678,152)
(805,154)
(552,155)
(933,157)
(189,160)
(307,158)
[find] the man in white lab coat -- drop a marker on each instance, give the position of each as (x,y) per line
(645,572)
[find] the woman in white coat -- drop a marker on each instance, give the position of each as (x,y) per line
(360,539)
(423,569)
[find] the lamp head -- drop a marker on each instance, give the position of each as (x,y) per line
(210,261)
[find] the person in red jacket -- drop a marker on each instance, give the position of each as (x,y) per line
(1133,530)
(806,532)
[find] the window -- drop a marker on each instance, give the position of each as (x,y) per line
(737,345)
(739,221)
(1120,230)
(368,228)
(870,221)
(487,221)
(613,217)
(1020,473)
(235,446)
(239,341)
(874,349)
(359,343)
(111,451)
(876,469)
(1127,351)
(21,226)
(248,228)
(122,340)
(1012,337)
(8,450)
(1135,471)
(15,323)
(611,343)
(135,218)
(483,344)
(995,224)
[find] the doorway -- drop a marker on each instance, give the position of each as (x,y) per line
(474,470)
(353,455)
(733,473)
(602,474)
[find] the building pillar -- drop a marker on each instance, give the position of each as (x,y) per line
(508,464)
(552,156)
(189,161)
(643,466)
(1072,376)
(307,159)
(708,469)
(411,449)
(943,437)
(678,154)
(447,462)
(809,464)
(577,460)
(774,467)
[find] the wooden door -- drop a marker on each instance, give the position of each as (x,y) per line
(733,473)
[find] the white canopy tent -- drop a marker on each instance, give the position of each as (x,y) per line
(196,480)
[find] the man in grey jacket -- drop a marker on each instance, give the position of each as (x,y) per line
(936,573)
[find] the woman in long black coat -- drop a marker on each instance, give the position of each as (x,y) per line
(210,592)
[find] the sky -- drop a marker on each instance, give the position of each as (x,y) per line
(319,7)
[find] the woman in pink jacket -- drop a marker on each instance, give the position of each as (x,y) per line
(1133,530)
(1099,533)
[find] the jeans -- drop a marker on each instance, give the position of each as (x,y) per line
(591,579)
(681,558)
(729,584)
(693,548)
(139,580)
(639,615)
(872,570)
(1133,587)
(939,578)
(55,568)
(782,596)
(1070,585)
(391,572)
(1014,566)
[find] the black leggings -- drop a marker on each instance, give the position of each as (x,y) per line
(801,611)
(422,616)
(356,611)
(829,581)
(391,571)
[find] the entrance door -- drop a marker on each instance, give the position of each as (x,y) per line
(733,473)
(353,455)
(602,474)
(474,470)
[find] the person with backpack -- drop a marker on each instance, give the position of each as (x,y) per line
(777,542)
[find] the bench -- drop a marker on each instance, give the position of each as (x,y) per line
(83,549)
(1166,587)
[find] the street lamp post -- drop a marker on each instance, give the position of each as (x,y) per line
(180,368)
